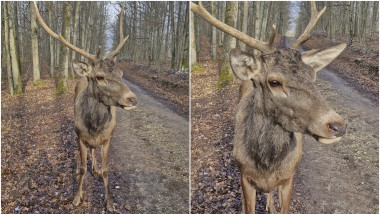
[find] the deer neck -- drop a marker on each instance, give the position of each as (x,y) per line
(266,142)
(95,114)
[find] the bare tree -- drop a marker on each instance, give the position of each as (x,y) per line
(213,40)
(193,51)
(16,71)
(75,28)
(229,42)
(64,50)
(4,23)
(35,53)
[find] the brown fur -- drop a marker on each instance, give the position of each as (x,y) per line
(270,119)
(97,93)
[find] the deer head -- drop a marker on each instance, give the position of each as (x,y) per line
(103,77)
(283,80)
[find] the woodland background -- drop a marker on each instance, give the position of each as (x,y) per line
(215,178)
(354,22)
(158,35)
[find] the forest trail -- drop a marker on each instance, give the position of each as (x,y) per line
(343,177)
(150,149)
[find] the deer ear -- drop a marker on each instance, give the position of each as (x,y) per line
(244,65)
(318,59)
(118,72)
(81,68)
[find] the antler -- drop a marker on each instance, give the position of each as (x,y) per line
(264,47)
(60,38)
(122,41)
(313,20)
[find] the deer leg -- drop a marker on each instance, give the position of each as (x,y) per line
(270,203)
(94,166)
(105,150)
(286,193)
(83,169)
(77,157)
(249,193)
(279,196)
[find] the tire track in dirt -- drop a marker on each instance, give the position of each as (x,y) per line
(151,149)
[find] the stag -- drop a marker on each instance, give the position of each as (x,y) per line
(280,104)
(97,94)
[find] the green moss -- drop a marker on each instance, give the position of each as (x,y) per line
(39,83)
(225,75)
(18,89)
(197,68)
(61,87)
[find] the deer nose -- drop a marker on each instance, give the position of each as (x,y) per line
(133,101)
(337,130)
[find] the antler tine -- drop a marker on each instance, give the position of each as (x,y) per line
(315,15)
(98,52)
(264,47)
(61,39)
(272,36)
(122,39)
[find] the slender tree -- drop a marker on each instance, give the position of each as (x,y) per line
(75,32)
(35,53)
(4,23)
(225,74)
(64,50)
(51,40)
(213,40)
(244,23)
(16,71)
(193,51)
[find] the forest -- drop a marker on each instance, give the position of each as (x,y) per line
(39,138)
(157,32)
(330,178)
(357,24)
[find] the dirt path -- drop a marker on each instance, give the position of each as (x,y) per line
(150,149)
(341,178)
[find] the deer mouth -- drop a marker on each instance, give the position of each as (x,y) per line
(324,140)
(334,131)
(127,108)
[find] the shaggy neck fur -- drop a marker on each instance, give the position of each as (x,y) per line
(95,114)
(266,142)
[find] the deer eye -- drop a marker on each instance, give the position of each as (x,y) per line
(274,83)
(99,78)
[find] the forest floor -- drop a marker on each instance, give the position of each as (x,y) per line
(340,178)
(148,168)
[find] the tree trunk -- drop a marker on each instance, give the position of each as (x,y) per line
(193,51)
(351,25)
(185,59)
(173,37)
(16,72)
(34,37)
(213,40)
(225,74)
(258,22)
(375,14)
(51,41)
(75,27)
(4,23)
(244,23)
(167,35)
(64,51)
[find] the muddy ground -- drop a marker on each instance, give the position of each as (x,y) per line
(148,163)
(339,178)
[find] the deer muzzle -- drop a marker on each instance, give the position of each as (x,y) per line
(129,101)
(332,127)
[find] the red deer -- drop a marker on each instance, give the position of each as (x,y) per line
(279,106)
(97,94)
